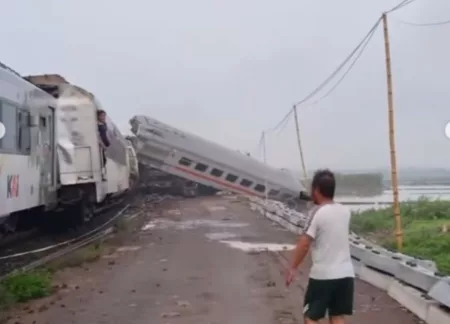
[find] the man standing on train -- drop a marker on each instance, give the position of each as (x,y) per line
(331,279)
(103,132)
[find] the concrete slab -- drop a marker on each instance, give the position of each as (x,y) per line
(375,278)
(437,315)
(441,292)
(411,299)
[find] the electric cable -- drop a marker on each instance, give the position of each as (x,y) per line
(282,122)
(333,74)
(361,45)
(283,127)
(401,5)
(339,68)
(258,147)
(352,64)
(438,23)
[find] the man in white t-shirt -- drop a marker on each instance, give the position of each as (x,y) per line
(331,279)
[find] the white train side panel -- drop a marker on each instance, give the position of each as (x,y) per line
(20,184)
(27,148)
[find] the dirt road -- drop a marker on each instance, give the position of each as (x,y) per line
(190,265)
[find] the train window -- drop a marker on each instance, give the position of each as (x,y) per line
(231,177)
(24,134)
(216,172)
(260,188)
(185,161)
(246,183)
(286,196)
(201,167)
(43,122)
(273,192)
(9,119)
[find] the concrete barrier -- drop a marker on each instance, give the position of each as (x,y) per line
(440,292)
(375,278)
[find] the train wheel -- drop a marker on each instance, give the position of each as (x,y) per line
(8,226)
(86,213)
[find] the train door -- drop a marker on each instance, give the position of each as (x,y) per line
(52,147)
(46,138)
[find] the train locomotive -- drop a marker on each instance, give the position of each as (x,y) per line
(50,155)
(189,156)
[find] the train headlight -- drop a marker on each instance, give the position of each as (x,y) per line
(447,130)
(2,130)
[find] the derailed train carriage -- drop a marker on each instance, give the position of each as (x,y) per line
(186,155)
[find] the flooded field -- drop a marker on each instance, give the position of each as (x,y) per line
(407,193)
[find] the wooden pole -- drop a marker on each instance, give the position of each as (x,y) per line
(263,141)
(263,137)
(300,149)
(394,173)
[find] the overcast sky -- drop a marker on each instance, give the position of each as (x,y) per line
(226,70)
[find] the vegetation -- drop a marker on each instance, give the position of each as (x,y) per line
(360,184)
(426,225)
(24,286)
(77,258)
(363,184)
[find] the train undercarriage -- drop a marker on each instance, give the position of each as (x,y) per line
(76,207)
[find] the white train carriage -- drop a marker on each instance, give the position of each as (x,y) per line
(27,151)
(190,156)
(82,173)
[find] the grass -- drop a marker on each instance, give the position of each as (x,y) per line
(423,226)
(24,286)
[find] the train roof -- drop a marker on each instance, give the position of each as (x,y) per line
(5,67)
(60,88)
(220,154)
(18,89)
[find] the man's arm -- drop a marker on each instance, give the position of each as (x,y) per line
(303,245)
(301,250)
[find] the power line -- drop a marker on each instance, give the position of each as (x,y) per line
(361,44)
(259,146)
(363,48)
(438,23)
(401,5)
(336,71)
(281,123)
(282,127)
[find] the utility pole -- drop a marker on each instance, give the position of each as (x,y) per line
(263,139)
(300,149)
(394,174)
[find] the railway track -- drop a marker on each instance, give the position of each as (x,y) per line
(31,255)
(37,237)
(36,252)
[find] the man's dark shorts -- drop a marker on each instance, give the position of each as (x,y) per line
(334,296)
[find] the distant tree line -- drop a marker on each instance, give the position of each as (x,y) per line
(361,184)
